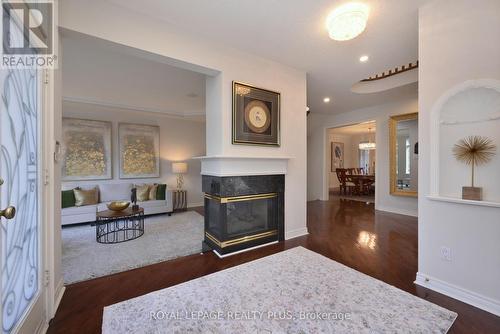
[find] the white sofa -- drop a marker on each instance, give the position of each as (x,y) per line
(109,192)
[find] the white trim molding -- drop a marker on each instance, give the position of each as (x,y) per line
(296,233)
(133,107)
(398,211)
(463,201)
(220,165)
(456,292)
(60,289)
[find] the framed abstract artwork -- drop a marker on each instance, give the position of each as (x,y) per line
(139,151)
(337,156)
(86,150)
(256,116)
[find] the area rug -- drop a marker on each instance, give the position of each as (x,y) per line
(164,238)
(296,291)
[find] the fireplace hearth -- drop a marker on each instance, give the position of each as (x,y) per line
(243,212)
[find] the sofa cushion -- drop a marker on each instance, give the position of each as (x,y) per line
(152,192)
(86,197)
(142,192)
(115,191)
(152,204)
(67,198)
(78,210)
(160,191)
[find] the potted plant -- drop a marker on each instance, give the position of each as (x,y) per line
(474,151)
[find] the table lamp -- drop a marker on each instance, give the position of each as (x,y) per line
(179,168)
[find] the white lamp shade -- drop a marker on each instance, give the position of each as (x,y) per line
(179,167)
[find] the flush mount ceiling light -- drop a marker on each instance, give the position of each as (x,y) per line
(363,59)
(347,21)
(326,100)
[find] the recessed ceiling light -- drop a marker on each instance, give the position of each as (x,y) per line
(347,21)
(326,100)
(364,59)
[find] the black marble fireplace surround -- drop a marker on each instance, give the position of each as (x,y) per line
(243,211)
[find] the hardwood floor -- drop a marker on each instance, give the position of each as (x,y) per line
(379,244)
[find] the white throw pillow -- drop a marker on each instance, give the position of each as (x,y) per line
(115,191)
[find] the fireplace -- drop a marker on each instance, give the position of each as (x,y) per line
(243,212)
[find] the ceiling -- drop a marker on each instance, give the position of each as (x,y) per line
(103,73)
(356,129)
(293,33)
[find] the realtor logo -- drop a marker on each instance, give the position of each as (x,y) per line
(28,34)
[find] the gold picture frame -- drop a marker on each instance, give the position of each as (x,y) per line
(393,156)
(139,151)
(256,116)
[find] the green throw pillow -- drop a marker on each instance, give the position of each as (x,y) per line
(68,198)
(160,192)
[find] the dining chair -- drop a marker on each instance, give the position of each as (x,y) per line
(346,184)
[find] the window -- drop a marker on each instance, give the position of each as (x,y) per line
(364,159)
(408,155)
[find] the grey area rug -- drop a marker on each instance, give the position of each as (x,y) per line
(296,291)
(164,238)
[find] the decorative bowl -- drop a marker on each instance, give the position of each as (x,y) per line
(118,205)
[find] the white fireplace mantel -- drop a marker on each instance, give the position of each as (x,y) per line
(224,165)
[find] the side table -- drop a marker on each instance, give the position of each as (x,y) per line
(180,200)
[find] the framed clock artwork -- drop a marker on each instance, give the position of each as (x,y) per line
(256,116)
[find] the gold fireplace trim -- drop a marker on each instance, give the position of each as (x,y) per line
(223,244)
(225,200)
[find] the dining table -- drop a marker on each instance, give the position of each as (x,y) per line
(362,180)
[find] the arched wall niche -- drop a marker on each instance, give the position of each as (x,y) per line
(469,109)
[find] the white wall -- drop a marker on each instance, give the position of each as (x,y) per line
(117,76)
(317,152)
(458,42)
(117,24)
(180,140)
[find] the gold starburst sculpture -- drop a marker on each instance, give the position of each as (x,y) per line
(474,151)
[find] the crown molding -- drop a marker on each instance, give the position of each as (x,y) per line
(155,111)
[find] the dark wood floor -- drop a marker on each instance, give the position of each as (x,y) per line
(379,244)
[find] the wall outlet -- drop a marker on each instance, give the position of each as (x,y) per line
(445,253)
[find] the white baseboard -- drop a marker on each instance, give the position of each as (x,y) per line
(60,288)
(464,295)
(296,233)
(397,211)
(194,205)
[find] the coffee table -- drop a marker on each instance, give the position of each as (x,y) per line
(119,226)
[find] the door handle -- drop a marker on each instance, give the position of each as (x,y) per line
(8,213)
(1,181)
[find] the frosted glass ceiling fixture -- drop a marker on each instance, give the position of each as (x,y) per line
(367,145)
(364,59)
(347,21)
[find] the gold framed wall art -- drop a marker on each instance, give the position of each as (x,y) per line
(256,116)
(139,151)
(86,150)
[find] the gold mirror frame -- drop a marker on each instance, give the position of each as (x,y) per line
(393,122)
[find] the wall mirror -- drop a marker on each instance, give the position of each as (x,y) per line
(403,148)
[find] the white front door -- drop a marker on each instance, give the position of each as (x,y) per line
(22,301)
